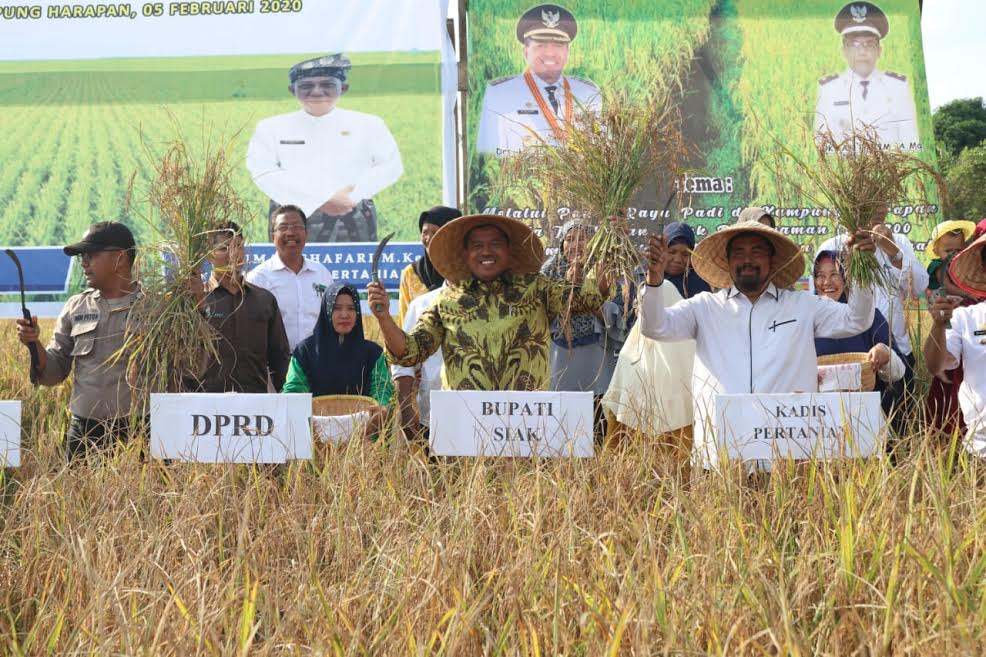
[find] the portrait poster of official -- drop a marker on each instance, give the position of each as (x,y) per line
(749,75)
(337,107)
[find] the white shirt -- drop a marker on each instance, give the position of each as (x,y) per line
(911,279)
(965,346)
(510,112)
(744,347)
(299,296)
(888,107)
(431,369)
(303,159)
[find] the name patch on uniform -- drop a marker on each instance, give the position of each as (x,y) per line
(85,317)
(293,142)
(528,111)
(979,332)
(840,103)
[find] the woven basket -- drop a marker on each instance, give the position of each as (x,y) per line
(867,376)
(331,405)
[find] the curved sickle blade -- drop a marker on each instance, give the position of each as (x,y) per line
(375,263)
(33,347)
(20,272)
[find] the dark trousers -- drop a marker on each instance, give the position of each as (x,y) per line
(357,225)
(85,434)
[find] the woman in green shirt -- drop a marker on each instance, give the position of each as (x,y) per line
(337,360)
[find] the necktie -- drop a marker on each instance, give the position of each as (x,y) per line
(866,87)
(554,101)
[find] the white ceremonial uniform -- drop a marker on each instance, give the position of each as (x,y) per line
(303,160)
(744,347)
(966,344)
(510,113)
(888,107)
(911,279)
(299,296)
(431,369)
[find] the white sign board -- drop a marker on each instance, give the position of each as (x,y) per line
(10,434)
(800,425)
(231,427)
(509,423)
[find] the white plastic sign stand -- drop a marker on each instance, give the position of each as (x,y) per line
(10,434)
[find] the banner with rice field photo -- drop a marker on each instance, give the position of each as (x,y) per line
(754,82)
(93,94)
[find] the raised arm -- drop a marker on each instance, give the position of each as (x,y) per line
(657,322)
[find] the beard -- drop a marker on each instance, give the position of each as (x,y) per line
(748,280)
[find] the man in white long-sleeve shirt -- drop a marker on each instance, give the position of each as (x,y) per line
(754,335)
(328,160)
(908,276)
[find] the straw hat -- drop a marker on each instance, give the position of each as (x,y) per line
(446,247)
(967,268)
(968,229)
(710,260)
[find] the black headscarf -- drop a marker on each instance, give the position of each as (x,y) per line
(439,216)
(334,364)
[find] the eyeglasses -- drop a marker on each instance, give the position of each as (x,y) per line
(87,257)
(863,44)
(329,88)
(284,228)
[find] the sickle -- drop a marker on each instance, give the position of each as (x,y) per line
(375,264)
(33,347)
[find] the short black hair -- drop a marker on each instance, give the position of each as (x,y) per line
(285,209)
(465,238)
(729,244)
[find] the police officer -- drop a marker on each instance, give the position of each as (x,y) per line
(535,106)
(88,332)
(865,97)
(328,160)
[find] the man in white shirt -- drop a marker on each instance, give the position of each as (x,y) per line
(864,97)
(905,273)
(754,335)
(425,377)
(524,110)
(327,160)
(295,281)
(964,342)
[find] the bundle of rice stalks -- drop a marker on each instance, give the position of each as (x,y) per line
(190,196)
(600,166)
(859,178)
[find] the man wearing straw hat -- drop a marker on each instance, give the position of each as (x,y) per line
(523,110)
(492,322)
(754,335)
(964,342)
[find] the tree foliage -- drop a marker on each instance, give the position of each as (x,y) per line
(960,124)
(966,181)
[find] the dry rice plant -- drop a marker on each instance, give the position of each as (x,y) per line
(856,177)
(191,195)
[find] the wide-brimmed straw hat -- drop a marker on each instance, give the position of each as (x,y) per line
(968,229)
(967,269)
(710,261)
(447,246)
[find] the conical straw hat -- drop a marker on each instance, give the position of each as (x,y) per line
(711,263)
(447,246)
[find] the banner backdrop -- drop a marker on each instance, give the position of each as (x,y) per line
(749,74)
(92,93)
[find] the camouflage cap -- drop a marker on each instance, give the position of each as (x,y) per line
(862,17)
(336,66)
(547,23)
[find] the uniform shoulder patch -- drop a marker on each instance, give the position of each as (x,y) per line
(828,78)
(497,81)
(584,81)
(896,76)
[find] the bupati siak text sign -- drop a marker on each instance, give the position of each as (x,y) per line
(231,428)
(10,434)
(508,423)
(800,426)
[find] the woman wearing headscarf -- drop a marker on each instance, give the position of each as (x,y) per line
(337,360)
(680,239)
(829,278)
(421,276)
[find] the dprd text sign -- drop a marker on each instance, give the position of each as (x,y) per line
(231,428)
(543,424)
